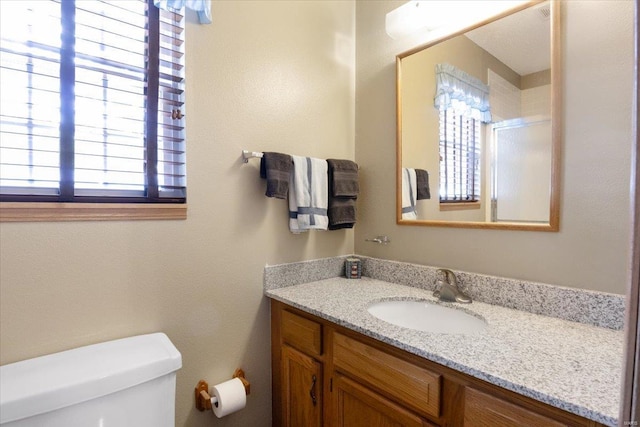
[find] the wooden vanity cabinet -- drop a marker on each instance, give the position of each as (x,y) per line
(326,375)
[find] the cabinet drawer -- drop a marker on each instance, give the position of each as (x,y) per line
(301,333)
(416,388)
(358,406)
(481,409)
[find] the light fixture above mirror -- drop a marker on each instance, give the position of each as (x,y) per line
(427,15)
(478,114)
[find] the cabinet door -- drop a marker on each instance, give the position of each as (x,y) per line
(301,389)
(357,406)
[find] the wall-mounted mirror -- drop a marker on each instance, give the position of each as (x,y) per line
(479,136)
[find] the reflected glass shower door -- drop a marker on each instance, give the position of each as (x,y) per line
(521,170)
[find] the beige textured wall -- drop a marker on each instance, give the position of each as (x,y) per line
(266,76)
(591,249)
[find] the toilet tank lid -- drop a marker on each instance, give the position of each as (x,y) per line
(43,384)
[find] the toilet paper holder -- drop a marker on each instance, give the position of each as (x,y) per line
(203,399)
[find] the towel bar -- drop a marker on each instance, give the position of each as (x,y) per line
(246,155)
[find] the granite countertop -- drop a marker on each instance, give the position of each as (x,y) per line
(572,366)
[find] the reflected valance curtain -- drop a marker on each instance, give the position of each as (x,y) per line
(203,7)
(467,95)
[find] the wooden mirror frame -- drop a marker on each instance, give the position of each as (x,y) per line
(556,129)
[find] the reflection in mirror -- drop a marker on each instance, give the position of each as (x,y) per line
(478,134)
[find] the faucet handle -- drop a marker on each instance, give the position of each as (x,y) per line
(447,290)
(451,278)
(446,274)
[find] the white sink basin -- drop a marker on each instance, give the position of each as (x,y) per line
(427,316)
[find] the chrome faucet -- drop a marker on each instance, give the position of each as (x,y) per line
(447,289)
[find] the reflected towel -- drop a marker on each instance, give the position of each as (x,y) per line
(308,195)
(422,185)
(276,168)
(409,194)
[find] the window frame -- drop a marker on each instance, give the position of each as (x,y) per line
(54,211)
(19,208)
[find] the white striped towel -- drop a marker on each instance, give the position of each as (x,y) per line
(409,194)
(308,195)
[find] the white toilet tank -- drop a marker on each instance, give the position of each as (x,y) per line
(129,382)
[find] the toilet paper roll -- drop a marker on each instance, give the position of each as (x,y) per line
(228,397)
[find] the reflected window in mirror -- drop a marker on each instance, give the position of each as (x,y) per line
(460,142)
(463,104)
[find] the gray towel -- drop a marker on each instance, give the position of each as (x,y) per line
(422,182)
(343,192)
(344,174)
(276,168)
(342,213)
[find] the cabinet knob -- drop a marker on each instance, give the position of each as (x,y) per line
(312,392)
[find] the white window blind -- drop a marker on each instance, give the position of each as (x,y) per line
(91,102)
(459,157)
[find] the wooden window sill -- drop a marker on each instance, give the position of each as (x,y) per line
(46,212)
(459,206)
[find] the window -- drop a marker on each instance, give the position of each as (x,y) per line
(91,100)
(459,157)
